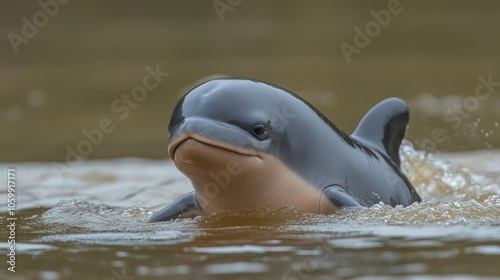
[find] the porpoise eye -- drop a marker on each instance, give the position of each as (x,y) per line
(260,132)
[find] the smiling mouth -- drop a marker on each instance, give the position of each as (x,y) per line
(172,147)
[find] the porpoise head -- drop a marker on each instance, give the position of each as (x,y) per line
(231,137)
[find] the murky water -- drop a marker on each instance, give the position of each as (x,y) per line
(90,224)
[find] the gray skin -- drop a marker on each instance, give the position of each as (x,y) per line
(274,129)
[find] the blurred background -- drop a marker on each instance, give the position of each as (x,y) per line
(64,65)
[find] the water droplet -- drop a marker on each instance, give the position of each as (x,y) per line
(496,124)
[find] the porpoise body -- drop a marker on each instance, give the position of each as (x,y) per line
(247,144)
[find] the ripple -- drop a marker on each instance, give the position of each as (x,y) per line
(240,249)
(236,267)
(484,250)
(27,248)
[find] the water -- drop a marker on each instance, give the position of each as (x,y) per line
(90,224)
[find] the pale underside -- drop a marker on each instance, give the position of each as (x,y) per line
(226,179)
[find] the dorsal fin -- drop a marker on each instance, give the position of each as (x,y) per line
(384,127)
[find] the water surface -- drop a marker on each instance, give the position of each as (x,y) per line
(91,224)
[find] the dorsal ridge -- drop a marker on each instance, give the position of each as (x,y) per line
(384,127)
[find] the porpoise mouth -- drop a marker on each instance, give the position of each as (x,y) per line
(188,136)
(226,177)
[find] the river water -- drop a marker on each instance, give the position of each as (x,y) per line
(90,223)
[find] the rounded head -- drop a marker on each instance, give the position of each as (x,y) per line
(230,135)
(247,116)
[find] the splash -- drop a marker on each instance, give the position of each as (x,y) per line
(437,179)
(452,195)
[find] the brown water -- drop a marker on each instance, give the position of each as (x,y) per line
(65,78)
(90,224)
